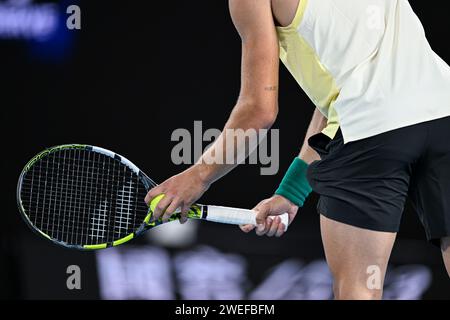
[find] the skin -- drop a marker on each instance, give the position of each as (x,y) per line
(446,253)
(349,250)
(256,108)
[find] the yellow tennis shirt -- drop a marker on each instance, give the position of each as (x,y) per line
(366,65)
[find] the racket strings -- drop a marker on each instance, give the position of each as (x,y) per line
(82,197)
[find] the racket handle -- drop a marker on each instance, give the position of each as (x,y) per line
(237,216)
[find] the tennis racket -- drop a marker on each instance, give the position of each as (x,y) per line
(88,198)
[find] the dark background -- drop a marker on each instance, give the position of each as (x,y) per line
(134,73)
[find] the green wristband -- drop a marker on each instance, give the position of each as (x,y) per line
(295,186)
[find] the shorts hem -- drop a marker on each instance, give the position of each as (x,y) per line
(344,213)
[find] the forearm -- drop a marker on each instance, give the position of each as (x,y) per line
(238,139)
(317,124)
(295,186)
(257,105)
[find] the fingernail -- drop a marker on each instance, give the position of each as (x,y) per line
(260,227)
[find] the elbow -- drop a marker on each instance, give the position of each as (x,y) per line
(257,115)
(267,116)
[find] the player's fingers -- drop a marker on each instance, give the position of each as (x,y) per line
(274,227)
(174,205)
(247,227)
(260,231)
(183,220)
(280,231)
(161,207)
(262,211)
(153,193)
(184,213)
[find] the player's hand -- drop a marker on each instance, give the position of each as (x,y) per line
(273,206)
(180,191)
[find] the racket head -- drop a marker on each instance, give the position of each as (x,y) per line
(84,197)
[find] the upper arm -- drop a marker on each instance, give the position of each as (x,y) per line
(260,51)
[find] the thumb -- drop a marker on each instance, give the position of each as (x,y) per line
(261,214)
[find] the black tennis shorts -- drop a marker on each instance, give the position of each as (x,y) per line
(366,183)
